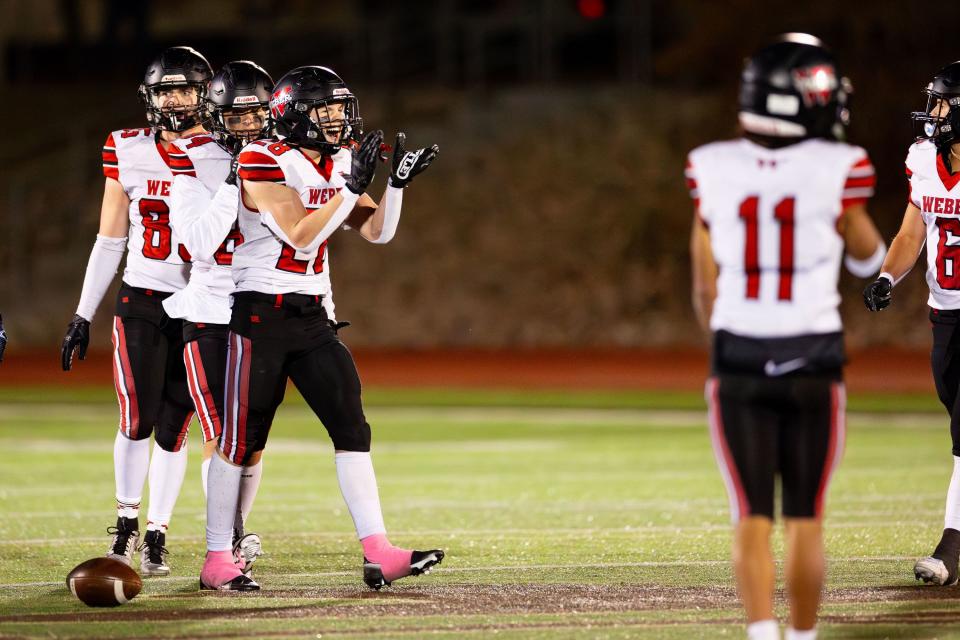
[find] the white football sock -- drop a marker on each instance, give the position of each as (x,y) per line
(951,518)
(763,630)
(249,483)
(166,478)
(793,634)
(131,460)
(358,484)
(223,489)
(204,473)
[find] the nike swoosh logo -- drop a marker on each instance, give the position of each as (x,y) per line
(773,369)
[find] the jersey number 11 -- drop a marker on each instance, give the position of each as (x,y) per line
(783,214)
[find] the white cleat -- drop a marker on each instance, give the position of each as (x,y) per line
(934,571)
(246,550)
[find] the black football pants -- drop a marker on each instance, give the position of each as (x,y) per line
(274,338)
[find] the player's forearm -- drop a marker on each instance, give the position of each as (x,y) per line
(703,308)
(902,256)
(314,229)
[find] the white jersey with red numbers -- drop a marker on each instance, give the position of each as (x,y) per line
(264,262)
(772,216)
(155,258)
(934,191)
(207,227)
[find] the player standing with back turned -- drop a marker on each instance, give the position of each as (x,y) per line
(775,210)
(933,216)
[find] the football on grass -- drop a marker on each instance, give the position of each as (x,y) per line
(104,582)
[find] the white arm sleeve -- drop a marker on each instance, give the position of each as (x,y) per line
(392,201)
(335,222)
(104,260)
(200,221)
(868,266)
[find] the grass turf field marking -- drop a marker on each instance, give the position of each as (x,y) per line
(494,568)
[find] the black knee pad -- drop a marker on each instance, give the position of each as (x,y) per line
(355,438)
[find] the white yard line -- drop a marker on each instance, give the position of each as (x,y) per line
(520,567)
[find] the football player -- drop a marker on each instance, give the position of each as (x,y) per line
(295,192)
(149,374)
(933,216)
(203,214)
(775,211)
(3,339)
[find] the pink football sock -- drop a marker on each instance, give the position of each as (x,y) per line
(219,569)
(393,561)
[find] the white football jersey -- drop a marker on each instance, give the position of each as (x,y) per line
(772,215)
(200,166)
(155,257)
(264,262)
(932,190)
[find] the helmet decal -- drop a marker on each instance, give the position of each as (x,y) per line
(816,84)
(279,100)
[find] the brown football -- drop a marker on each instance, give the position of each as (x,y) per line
(104,582)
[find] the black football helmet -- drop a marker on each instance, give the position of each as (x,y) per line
(240,90)
(299,108)
(175,67)
(941,125)
(791,88)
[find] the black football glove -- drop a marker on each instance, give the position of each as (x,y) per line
(877,294)
(3,339)
(234,166)
(363,162)
(407,164)
(76,340)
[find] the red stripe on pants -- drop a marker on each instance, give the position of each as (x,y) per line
(739,505)
(200,392)
(838,432)
(124,382)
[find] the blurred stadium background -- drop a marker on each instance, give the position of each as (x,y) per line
(547,248)
(556,216)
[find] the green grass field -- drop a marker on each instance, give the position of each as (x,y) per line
(563,515)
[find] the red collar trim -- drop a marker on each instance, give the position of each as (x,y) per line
(163,152)
(325,168)
(948,180)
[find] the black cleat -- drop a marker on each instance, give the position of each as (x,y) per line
(240,583)
(153,555)
(124,541)
(421,562)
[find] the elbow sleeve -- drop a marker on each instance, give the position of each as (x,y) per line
(392,203)
(102,266)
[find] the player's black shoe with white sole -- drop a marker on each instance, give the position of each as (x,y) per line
(940,568)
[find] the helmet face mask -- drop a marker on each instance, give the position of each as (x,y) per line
(238,104)
(939,121)
(174,107)
(174,88)
(333,123)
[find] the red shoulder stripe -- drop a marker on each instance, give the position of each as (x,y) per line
(261,175)
(863,162)
(853,183)
(257,158)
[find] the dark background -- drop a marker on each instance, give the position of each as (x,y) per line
(556,214)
